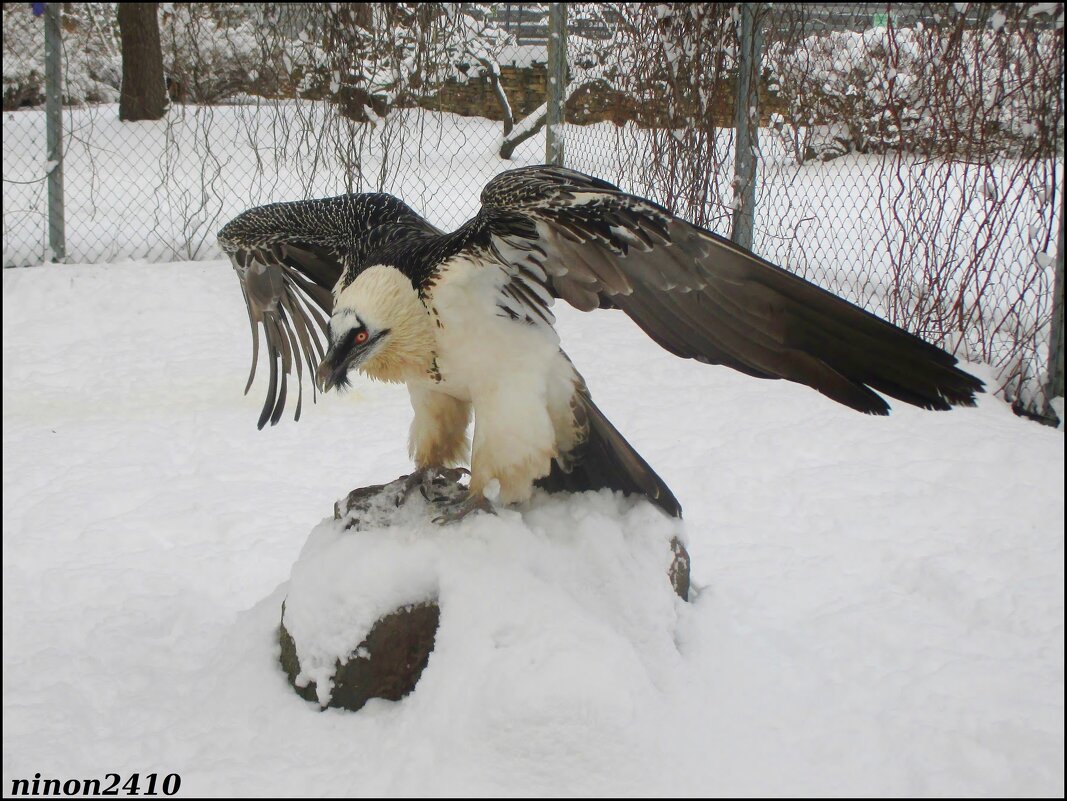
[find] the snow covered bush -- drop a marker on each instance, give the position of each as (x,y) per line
(213,51)
(382,55)
(92,67)
(671,67)
(958,80)
(360,55)
(851,83)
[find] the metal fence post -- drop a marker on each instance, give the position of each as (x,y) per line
(53,83)
(557,82)
(1054,387)
(746,125)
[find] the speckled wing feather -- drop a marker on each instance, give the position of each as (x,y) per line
(703,297)
(288,257)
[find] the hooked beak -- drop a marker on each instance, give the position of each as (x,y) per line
(333,370)
(341,358)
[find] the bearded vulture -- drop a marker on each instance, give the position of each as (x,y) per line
(464,320)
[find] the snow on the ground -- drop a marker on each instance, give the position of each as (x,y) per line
(877,605)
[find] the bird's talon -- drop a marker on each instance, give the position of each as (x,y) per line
(420,478)
(432,483)
(453,474)
(472,503)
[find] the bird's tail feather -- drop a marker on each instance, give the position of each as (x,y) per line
(604,459)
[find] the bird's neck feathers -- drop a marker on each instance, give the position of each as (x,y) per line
(384,299)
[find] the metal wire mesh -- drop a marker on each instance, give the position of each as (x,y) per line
(25,221)
(234,138)
(930,197)
(908,156)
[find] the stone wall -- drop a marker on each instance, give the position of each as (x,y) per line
(598,102)
(525,88)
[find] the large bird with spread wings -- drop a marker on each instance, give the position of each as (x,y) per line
(464,320)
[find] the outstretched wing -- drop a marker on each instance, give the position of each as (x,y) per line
(701,296)
(288,257)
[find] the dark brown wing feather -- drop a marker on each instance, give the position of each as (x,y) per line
(603,458)
(700,296)
(289,257)
(287,291)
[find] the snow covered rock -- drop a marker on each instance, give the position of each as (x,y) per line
(387,664)
(372,586)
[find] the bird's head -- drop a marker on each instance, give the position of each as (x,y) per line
(380,327)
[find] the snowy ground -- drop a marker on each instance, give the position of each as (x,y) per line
(878,604)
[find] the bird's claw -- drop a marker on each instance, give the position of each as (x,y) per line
(410,482)
(423,479)
(453,474)
(444,494)
(472,503)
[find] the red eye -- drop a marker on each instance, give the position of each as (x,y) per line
(361,337)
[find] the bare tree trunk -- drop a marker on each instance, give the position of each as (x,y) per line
(493,71)
(517,133)
(144,91)
(528,128)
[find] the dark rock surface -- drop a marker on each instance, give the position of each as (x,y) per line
(387,664)
(678,572)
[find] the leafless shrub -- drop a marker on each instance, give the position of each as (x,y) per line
(672,62)
(964,105)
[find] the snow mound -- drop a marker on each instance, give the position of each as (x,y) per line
(563,608)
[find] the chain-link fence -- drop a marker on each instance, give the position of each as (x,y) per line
(268,104)
(908,157)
